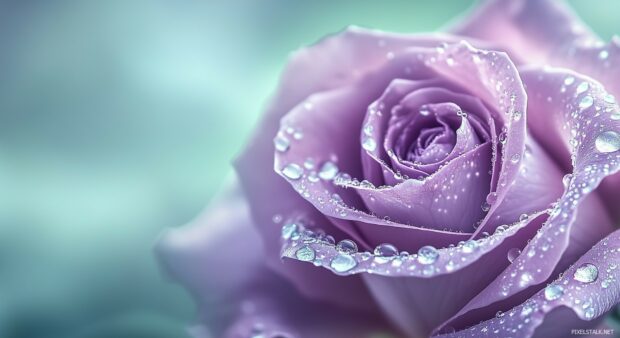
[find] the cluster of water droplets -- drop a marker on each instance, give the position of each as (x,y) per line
(580,289)
(594,133)
(309,244)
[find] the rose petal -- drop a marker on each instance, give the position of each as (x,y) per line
(429,291)
(220,259)
(523,28)
(600,61)
(579,219)
(333,62)
(565,304)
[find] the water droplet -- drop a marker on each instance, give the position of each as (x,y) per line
(305,253)
(526,310)
(502,137)
(288,230)
(343,263)
(566,180)
(586,102)
(486,206)
(523,218)
(293,171)
(369,144)
(368,128)
(281,143)
(526,279)
(309,163)
(469,246)
(385,250)
(513,254)
(515,158)
(347,246)
(603,54)
(586,273)
(589,313)
(609,98)
(582,87)
(427,254)
(516,115)
(424,112)
(553,292)
(328,171)
(569,80)
(607,142)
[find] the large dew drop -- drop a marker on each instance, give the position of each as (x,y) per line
(328,171)
(281,143)
(369,144)
(607,142)
(587,273)
(305,253)
(586,102)
(346,246)
(427,255)
(343,263)
(293,171)
(385,250)
(553,292)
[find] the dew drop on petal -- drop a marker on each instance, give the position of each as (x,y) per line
(603,54)
(569,81)
(369,144)
(343,263)
(589,313)
(582,87)
(567,179)
(513,254)
(526,311)
(586,102)
(288,230)
(328,171)
(586,273)
(385,250)
(293,171)
(469,246)
(305,253)
(609,98)
(526,279)
(607,142)
(427,254)
(553,292)
(347,246)
(281,143)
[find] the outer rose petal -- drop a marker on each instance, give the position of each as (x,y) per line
(552,313)
(579,219)
(601,62)
(219,258)
(532,31)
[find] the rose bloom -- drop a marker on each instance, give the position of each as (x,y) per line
(457,184)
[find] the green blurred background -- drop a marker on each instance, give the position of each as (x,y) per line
(120,118)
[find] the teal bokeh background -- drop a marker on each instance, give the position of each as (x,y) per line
(120,118)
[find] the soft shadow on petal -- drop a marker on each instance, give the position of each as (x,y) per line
(219,258)
(574,301)
(531,31)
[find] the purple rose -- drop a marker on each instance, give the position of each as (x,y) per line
(459,184)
